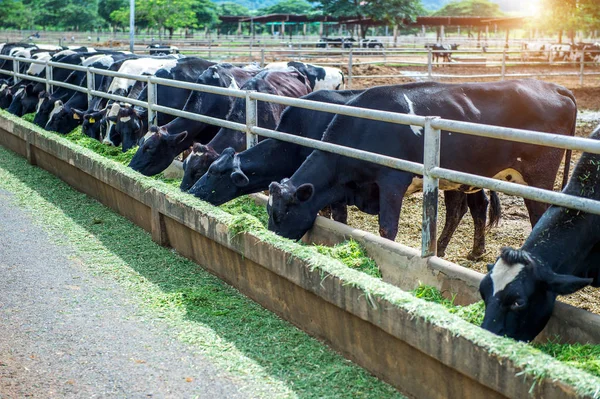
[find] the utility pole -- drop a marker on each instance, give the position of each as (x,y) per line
(131,24)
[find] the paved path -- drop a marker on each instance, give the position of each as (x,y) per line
(65,333)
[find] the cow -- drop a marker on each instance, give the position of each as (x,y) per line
(533,49)
(560,256)
(132,121)
(325,178)
(251,171)
(64,119)
(287,83)
(159,49)
(320,78)
(443,51)
(560,52)
(161,145)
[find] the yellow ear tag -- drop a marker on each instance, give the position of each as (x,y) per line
(92,120)
(76,117)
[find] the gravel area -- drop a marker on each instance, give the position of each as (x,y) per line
(69,334)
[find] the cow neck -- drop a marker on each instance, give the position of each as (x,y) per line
(319,169)
(563,238)
(228,138)
(282,160)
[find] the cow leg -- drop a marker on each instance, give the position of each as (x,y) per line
(536,210)
(456,207)
(392,188)
(478,205)
(339,212)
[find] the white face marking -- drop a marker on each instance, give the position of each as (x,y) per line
(233,84)
(39,105)
(58,106)
(19,92)
(36,69)
(125,119)
(519,159)
(216,75)
(148,135)
(503,274)
(417,130)
(270,203)
(4,86)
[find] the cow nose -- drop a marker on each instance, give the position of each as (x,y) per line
(107,141)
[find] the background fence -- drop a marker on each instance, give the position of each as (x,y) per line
(429,169)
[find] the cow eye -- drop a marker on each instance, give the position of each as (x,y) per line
(519,304)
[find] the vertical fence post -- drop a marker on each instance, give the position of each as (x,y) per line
(48,77)
(429,64)
(262,57)
(251,111)
(582,66)
(15,70)
(209,49)
(151,101)
(350,69)
(431,159)
(90,86)
(503,64)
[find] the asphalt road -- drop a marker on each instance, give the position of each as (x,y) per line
(65,333)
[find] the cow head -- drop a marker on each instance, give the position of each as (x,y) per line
(289,212)
(197,165)
(5,96)
(44,108)
(129,126)
(223,181)
(93,124)
(111,135)
(64,120)
(24,101)
(519,294)
(157,151)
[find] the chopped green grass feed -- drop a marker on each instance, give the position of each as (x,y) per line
(114,153)
(353,255)
(29,117)
(247,205)
(584,357)
(268,356)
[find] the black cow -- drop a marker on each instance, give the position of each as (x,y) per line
(251,171)
(325,177)
(443,51)
(290,83)
(161,145)
(133,121)
(560,256)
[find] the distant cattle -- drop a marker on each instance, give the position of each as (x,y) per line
(325,177)
(443,51)
(560,256)
(288,83)
(160,49)
(534,49)
(161,145)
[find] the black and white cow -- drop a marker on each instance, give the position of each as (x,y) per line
(534,49)
(443,51)
(560,256)
(320,78)
(161,145)
(132,122)
(65,118)
(287,83)
(325,178)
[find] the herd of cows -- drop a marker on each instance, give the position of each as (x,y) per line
(561,52)
(562,254)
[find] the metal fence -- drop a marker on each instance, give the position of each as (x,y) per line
(430,169)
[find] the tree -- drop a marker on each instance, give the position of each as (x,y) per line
(288,7)
(63,14)
(470,8)
(394,12)
(232,9)
(206,13)
(14,14)
(569,16)
(106,7)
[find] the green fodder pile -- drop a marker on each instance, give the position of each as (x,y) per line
(584,357)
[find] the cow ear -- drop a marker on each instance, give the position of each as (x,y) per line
(274,187)
(77,114)
(305,192)
(43,94)
(181,137)
(239,178)
(112,118)
(490,266)
(564,284)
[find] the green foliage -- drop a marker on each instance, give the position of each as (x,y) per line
(229,8)
(110,152)
(470,8)
(585,357)
(353,255)
(288,7)
(569,16)
(63,14)
(107,7)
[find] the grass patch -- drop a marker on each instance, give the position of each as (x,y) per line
(353,255)
(270,356)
